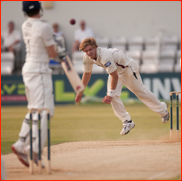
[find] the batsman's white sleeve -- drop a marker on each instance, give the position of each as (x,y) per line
(47,34)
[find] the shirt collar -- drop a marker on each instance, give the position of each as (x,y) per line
(35,19)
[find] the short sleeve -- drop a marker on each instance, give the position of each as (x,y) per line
(110,67)
(107,61)
(47,34)
(87,64)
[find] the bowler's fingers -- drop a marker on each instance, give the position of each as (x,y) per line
(105,100)
(78,98)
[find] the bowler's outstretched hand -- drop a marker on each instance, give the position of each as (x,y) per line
(107,99)
(78,97)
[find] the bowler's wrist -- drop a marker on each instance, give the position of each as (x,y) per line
(111,92)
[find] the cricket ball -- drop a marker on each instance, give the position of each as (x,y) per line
(72,21)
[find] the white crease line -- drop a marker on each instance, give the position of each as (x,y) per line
(155,176)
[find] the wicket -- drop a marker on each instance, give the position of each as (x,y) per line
(171,115)
(39,136)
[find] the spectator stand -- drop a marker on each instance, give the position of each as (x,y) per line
(119,43)
(167,60)
(7,63)
(150,61)
(136,43)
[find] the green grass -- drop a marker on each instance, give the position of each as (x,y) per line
(86,123)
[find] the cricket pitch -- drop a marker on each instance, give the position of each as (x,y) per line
(100,160)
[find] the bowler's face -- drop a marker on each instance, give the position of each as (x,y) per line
(91,51)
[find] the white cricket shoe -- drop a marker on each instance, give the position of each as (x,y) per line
(22,157)
(35,156)
(127,126)
(165,119)
(18,146)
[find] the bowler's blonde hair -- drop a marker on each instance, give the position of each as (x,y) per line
(86,42)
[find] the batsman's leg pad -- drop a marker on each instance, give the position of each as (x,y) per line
(35,124)
(49,103)
(43,128)
(25,128)
(24,138)
(43,132)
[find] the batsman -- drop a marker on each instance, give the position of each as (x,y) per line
(122,70)
(37,77)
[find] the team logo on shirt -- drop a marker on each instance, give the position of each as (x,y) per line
(107,64)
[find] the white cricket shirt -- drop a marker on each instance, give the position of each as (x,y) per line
(37,36)
(108,58)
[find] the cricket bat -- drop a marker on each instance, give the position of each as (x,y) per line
(72,75)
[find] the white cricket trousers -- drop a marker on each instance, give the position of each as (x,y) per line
(39,92)
(135,85)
